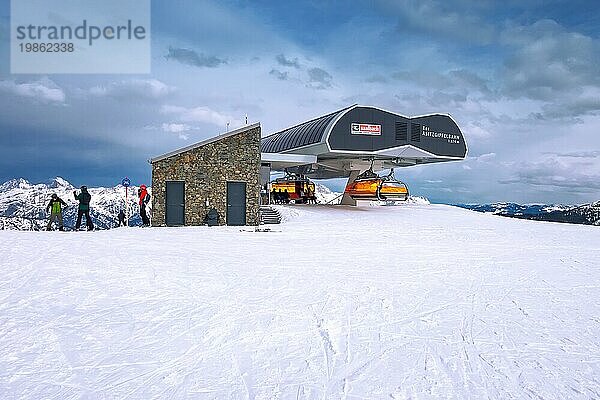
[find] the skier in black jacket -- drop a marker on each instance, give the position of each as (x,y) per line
(84,208)
(121,217)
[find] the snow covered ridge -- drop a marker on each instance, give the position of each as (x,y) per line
(420,200)
(23,204)
(587,214)
(324,194)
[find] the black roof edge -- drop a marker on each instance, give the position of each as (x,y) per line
(310,120)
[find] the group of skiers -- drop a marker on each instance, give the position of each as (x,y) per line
(283,197)
(56,205)
(280,197)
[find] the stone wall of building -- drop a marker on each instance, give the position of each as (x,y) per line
(205,170)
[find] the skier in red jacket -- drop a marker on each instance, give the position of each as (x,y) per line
(143,202)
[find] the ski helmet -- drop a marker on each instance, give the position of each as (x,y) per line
(54,195)
(83,187)
(142,187)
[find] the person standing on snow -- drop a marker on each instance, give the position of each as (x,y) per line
(84,208)
(121,217)
(143,202)
(55,208)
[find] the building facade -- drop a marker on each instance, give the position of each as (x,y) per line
(221,173)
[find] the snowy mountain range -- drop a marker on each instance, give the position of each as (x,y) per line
(23,204)
(587,214)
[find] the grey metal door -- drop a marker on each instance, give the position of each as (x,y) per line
(236,203)
(175,204)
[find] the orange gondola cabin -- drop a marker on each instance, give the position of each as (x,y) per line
(295,188)
(370,186)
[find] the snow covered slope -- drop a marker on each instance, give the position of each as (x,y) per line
(25,203)
(367,302)
(325,195)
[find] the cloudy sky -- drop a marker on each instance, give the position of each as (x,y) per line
(522,79)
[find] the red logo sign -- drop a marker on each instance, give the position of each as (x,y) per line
(365,129)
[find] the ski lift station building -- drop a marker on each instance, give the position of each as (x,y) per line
(228,172)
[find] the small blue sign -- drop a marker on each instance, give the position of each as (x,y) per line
(126,182)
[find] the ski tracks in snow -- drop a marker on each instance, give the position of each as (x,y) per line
(341,304)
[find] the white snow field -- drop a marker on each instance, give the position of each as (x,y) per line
(415,301)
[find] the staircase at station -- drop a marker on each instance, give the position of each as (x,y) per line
(269,215)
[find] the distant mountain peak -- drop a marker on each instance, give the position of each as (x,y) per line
(58,182)
(15,184)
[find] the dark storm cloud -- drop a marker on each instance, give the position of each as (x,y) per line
(282,60)
(282,76)
(376,79)
(40,91)
(40,153)
(134,90)
(440,99)
(462,79)
(442,20)
(570,108)
(470,79)
(53,127)
(191,57)
(215,27)
(548,61)
(557,171)
(319,78)
(578,154)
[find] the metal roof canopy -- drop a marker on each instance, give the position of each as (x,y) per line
(348,139)
(280,161)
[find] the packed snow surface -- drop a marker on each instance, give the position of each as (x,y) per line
(416,301)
